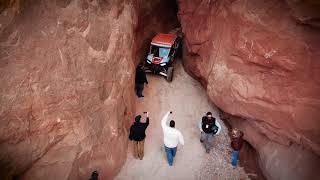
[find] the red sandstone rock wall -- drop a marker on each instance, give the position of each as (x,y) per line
(260,60)
(66,88)
(66,73)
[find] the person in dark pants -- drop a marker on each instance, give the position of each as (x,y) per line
(137,135)
(141,78)
(208,130)
(236,144)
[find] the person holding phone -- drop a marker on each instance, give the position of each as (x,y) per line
(171,137)
(138,135)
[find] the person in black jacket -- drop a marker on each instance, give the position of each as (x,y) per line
(208,130)
(137,135)
(141,78)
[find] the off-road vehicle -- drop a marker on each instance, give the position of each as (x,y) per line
(162,53)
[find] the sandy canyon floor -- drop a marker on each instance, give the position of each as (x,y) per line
(189,102)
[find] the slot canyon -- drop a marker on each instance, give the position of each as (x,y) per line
(67,99)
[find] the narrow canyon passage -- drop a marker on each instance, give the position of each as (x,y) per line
(67,75)
(189,102)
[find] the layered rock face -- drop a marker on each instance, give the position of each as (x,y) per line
(67,74)
(66,88)
(259,60)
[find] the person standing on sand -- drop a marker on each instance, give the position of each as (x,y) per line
(140,79)
(236,144)
(137,135)
(208,128)
(171,137)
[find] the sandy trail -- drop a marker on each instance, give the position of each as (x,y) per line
(189,102)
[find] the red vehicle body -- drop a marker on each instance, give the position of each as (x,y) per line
(162,53)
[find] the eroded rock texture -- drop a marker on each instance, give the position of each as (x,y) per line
(66,73)
(66,88)
(259,60)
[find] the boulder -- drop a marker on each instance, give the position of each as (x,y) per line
(258,60)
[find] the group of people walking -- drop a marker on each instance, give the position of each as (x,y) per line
(172,137)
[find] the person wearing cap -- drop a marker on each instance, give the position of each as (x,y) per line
(208,128)
(137,135)
(236,144)
(171,137)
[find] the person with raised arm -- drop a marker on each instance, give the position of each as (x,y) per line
(138,134)
(171,137)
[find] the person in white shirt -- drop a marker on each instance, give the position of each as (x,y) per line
(171,137)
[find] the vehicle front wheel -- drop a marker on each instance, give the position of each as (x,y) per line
(170,74)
